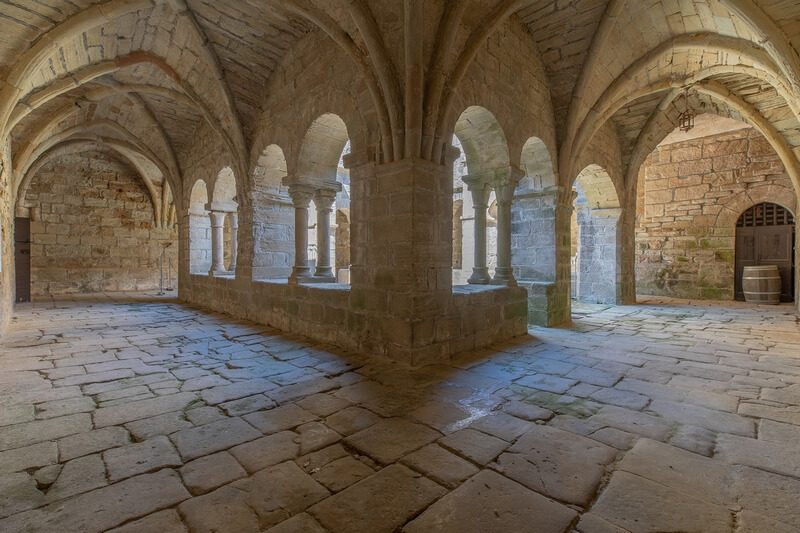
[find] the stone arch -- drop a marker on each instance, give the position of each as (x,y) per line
(320,170)
(484,158)
(597,217)
(483,139)
(537,165)
(199,229)
(272,216)
(735,205)
(322,148)
(224,195)
(533,235)
(225,202)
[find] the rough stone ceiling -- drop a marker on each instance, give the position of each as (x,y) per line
(250,38)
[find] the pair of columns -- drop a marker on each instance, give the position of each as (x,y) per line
(503,182)
(218,242)
(323,197)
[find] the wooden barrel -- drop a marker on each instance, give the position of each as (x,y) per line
(761,284)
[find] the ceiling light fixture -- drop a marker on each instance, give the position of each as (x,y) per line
(686,119)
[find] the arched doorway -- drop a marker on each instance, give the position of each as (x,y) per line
(765,236)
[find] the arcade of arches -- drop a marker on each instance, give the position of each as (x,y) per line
(446,250)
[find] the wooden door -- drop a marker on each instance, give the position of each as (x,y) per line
(22,258)
(765,236)
(774,246)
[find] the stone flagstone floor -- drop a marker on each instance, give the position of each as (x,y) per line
(141,415)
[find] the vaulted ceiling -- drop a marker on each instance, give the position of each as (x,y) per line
(149,73)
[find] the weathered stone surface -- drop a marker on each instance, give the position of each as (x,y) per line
(389,440)
(779,457)
(632,421)
(162,522)
(302,522)
(505,506)
(267,451)
(255,503)
(557,463)
(695,439)
(105,508)
(527,411)
(213,437)
(768,494)
(158,425)
(364,507)
(281,418)
(685,472)
(342,473)
(77,476)
(638,505)
(43,430)
(207,473)
(139,458)
(18,492)
(440,465)
(474,445)
(92,442)
(502,426)
(127,412)
(323,404)
(246,405)
(234,391)
(547,383)
(351,420)
(314,436)
(707,418)
(36,455)
(314,461)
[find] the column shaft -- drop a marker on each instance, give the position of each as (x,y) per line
(217,242)
(480,273)
(300,198)
(234,240)
(324,202)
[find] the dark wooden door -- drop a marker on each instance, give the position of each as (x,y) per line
(22,258)
(765,236)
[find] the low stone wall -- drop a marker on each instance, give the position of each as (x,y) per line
(690,196)
(476,316)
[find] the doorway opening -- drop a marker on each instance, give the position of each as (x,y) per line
(765,236)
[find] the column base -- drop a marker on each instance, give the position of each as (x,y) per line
(300,275)
(503,276)
(220,273)
(323,272)
(480,276)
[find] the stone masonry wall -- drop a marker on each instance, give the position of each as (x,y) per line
(7,289)
(94,230)
(690,195)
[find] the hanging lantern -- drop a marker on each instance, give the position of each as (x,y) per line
(686,119)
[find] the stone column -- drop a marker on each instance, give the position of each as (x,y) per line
(504,185)
(323,199)
(217,243)
(234,240)
(480,195)
(561,308)
(301,196)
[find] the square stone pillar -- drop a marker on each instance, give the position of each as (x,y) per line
(401,253)
(598,255)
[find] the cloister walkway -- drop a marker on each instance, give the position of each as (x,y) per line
(141,414)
